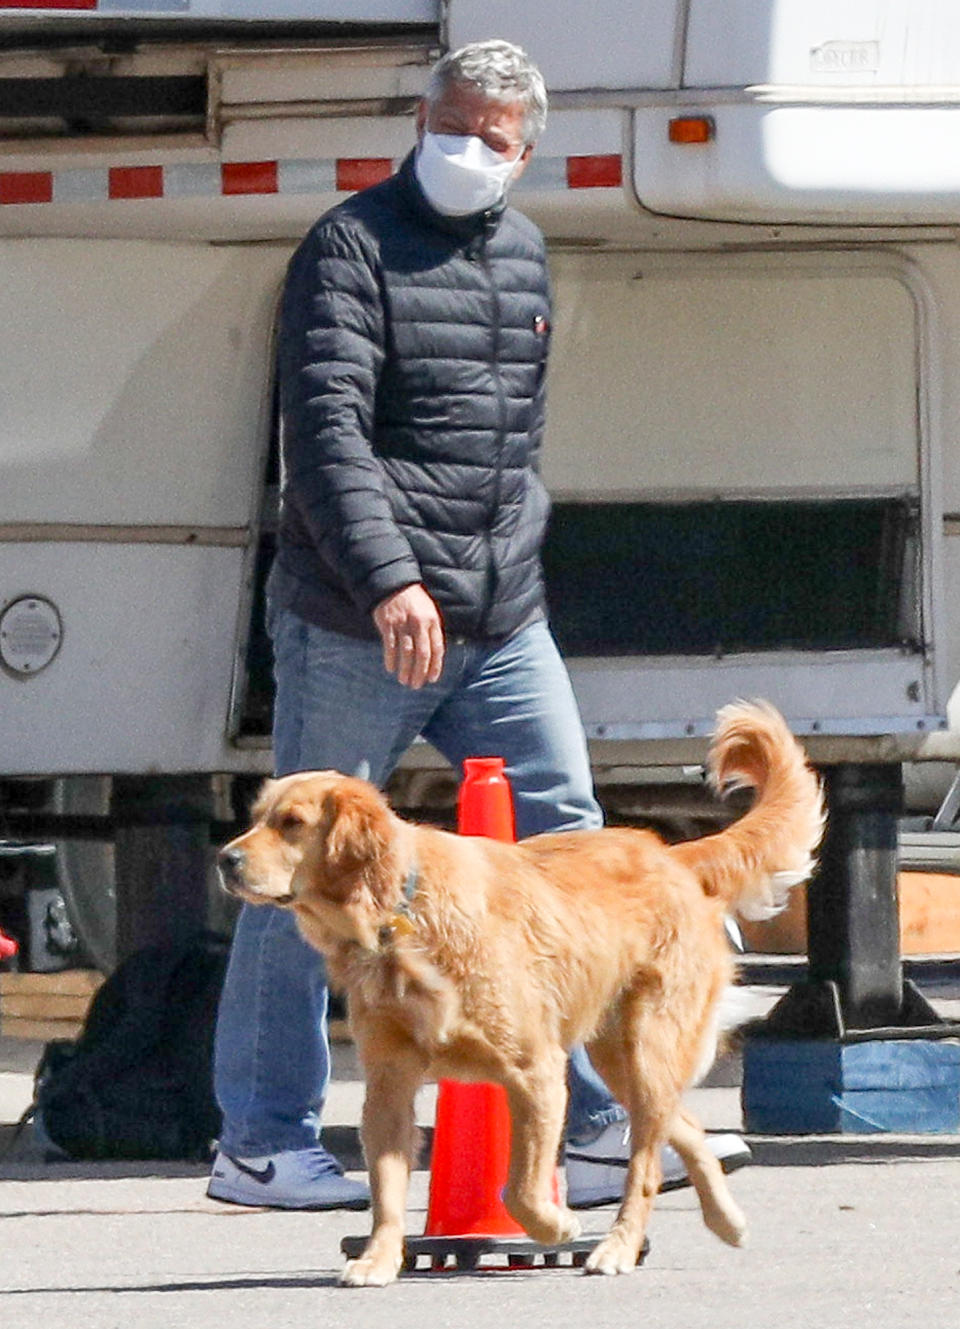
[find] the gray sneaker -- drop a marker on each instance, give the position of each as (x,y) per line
(596,1172)
(294,1179)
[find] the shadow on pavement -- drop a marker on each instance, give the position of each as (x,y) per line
(312,1281)
(21,1160)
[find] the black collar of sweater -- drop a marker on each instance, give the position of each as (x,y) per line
(465,228)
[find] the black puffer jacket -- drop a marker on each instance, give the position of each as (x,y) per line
(412,356)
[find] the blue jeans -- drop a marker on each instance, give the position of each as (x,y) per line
(337,708)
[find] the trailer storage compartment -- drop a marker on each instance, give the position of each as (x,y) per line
(756,525)
(131,445)
(722,578)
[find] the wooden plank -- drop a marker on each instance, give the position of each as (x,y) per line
(65,982)
(44,1005)
(929,904)
(40,1030)
(929,912)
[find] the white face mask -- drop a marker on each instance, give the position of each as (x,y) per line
(459,174)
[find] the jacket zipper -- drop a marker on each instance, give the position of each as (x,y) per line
(501,436)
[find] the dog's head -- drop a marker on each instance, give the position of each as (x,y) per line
(326,846)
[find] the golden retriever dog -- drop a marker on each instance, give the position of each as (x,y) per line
(478,960)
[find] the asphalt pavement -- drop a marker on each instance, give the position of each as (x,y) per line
(844,1230)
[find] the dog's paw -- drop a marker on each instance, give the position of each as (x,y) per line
(727,1221)
(569,1227)
(553,1226)
(370,1271)
(614,1255)
(549,1224)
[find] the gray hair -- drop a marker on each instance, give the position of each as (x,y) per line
(502,72)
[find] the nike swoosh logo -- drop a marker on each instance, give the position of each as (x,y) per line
(264,1175)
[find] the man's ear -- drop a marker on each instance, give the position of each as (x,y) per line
(423,110)
(521,165)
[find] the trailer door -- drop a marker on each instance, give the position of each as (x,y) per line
(740,452)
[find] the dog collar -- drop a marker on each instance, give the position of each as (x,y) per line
(410,885)
(402,922)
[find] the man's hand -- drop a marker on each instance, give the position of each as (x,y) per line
(411,630)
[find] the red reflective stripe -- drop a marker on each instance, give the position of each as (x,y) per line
(48,4)
(249,177)
(26,186)
(594,172)
(359,172)
(135,182)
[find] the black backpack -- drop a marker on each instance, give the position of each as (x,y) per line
(138,1082)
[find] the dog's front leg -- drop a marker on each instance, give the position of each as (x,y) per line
(389,1140)
(617,1253)
(538,1099)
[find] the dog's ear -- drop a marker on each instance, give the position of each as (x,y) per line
(355,826)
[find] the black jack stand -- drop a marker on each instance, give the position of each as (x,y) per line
(854,1047)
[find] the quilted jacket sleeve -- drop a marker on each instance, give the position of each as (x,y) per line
(332,341)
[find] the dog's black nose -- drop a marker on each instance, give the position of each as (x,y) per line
(231,863)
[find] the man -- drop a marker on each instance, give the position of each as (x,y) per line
(407,594)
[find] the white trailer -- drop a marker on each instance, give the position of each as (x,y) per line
(752,213)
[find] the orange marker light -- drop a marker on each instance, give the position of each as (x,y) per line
(692,129)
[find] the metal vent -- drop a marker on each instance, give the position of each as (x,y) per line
(78,104)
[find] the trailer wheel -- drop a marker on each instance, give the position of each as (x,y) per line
(87,876)
(85,870)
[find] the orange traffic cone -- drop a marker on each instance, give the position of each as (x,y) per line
(468,1168)
(485,803)
(471,1137)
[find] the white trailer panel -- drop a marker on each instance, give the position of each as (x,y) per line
(830,165)
(606,44)
(317,11)
(133,391)
(141,682)
(910,44)
(837,693)
(745,374)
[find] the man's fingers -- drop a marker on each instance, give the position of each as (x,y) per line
(437,649)
(409,668)
(389,639)
(420,657)
(412,634)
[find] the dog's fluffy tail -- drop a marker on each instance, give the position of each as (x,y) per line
(752,865)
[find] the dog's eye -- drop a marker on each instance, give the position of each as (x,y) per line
(290,822)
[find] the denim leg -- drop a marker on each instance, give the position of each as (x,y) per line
(516,702)
(271,1067)
(335,708)
(590,1104)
